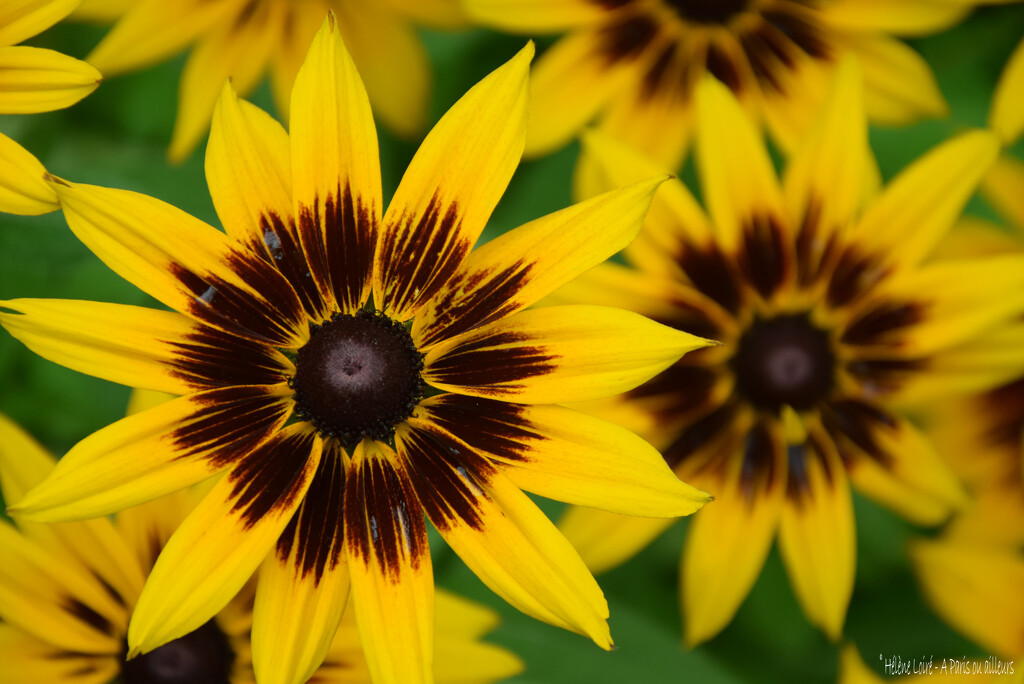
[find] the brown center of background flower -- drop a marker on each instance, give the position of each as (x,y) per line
(200,657)
(358,376)
(708,11)
(784,361)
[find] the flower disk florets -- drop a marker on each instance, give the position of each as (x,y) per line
(358,376)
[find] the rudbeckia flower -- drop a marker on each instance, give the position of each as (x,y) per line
(34,80)
(830,321)
(348,372)
(243,40)
(66,592)
(634,63)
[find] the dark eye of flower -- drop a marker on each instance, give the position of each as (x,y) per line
(358,376)
(200,657)
(708,11)
(784,361)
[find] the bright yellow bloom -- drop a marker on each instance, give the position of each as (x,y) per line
(66,592)
(34,80)
(633,64)
(830,321)
(243,40)
(348,371)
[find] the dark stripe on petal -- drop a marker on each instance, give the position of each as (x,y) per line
(814,252)
(693,316)
(496,359)
(271,476)
(804,34)
(627,38)
(854,275)
(285,252)
(766,50)
(682,390)
(759,471)
(223,304)
(383,519)
(474,299)
(713,274)
(764,257)
(496,428)
(341,249)
(798,488)
(856,422)
(884,376)
(229,423)
(700,434)
(873,325)
(449,478)
(317,530)
(612,4)
(420,255)
(722,66)
(654,77)
(88,616)
(213,358)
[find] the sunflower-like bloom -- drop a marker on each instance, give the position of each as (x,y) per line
(634,63)
(34,80)
(67,591)
(829,321)
(243,40)
(350,371)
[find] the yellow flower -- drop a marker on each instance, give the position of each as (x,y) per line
(66,592)
(34,80)
(242,40)
(349,371)
(634,63)
(830,320)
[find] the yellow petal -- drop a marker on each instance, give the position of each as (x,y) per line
(517,269)
(737,177)
(557,354)
(1007,113)
(1003,186)
(303,584)
(528,16)
(389,562)
(184,263)
(501,535)
(606,540)
(22,188)
(450,188)
(568,456)
(21,19)
(38,80)
(817,536)
(156,452)
(103,11)
(852,669)
(921,204)
(222,542)
(433,13)
(335,170)
(902,17)
(239,51)
(28,660)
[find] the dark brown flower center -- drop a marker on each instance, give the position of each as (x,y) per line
(708,11)
(784,361)
(358,376)
(200,657)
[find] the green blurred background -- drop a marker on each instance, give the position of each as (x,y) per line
(117,137)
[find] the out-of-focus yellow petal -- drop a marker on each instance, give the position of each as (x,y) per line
(1003,186)
(22,188)
(528,16)
(606,540)
(30,660)
(1007,113)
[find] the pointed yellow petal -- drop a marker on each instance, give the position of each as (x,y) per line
(184,262)
(1007,113)
(852,669)
(29,660)
(606,540)
(976,589)
(557,354)
(38,80)
(1003,186)
(517,269)
(829,169)
(567,456)
(528,16)
(737,176)
(335,170)
(222,542)
(450,189)
(22,188)
(21,19)
(921,204)
(239,51)
(303,584)
(727,543)
(392,63)
(461,660)
(156,452)
(389,562)
(817,536)
(902,17)
(501,535)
